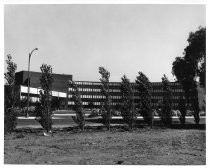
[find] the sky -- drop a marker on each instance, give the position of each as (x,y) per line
(77,39)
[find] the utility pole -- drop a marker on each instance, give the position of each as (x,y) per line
(27,115)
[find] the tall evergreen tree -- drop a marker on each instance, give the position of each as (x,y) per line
(106,110)
(127,94)
(144,88)
(166,113)
(43,110)
(80,113)
(11,98)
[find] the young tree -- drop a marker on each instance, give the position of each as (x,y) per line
(166,113)
(106,111)
(43,110)
(10,96)
(182,109)
(127,101)
(144,89)
(80,113)
(192,66)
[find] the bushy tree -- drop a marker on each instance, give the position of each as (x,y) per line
(144,89)
(106,110)
(127,94)
(192,66)
(80,113)
(195,53)
(43,110)
(182,109)
(11,96)
(166,113)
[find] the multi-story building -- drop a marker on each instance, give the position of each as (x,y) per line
(90,90)
(59,87)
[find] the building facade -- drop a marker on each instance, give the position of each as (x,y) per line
(90,91)
(59,87)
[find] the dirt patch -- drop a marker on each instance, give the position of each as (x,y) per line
(97,146)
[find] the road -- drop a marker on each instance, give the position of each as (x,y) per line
(65,120)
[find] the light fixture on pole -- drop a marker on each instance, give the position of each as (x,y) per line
(27,115)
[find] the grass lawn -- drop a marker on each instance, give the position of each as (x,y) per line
(142,146)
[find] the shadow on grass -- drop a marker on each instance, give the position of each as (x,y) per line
(92,129)
(118,125)
(177,125)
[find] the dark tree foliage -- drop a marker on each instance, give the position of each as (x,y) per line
(90,105)
(166,113)
(195,53)
(43,110)
(106,110)
(55,104)
(144,88)
(182,109)
(127,109)
(194,102)
(192,66)
(10,92)
(11,97)
(117,106)
(23,102)
(185,74)
(80,113)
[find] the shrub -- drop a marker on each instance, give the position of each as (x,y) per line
(105,117)
(94,113)
(10,120)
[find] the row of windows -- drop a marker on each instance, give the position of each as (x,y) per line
(118,90)
(83,83)
(114,103)
(72,103)
(33,99)
(118,83)
(114,84)
(98,96)
(94,90)
(119,97)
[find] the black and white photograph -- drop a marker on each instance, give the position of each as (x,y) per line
(104,84)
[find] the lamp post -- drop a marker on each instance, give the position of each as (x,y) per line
(27,115)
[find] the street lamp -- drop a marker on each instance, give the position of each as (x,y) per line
(27,115)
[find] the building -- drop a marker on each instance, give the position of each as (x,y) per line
(59,87)
(90,91)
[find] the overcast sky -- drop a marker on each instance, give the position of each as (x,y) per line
(77,39)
